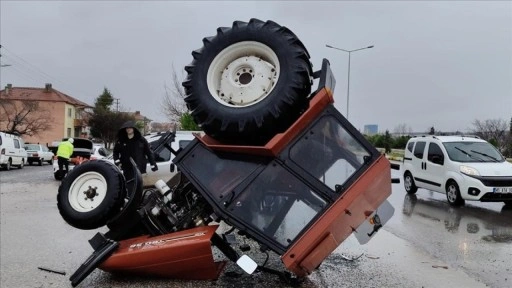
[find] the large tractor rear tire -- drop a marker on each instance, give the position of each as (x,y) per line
(248,82)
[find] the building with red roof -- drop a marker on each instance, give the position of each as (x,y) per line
(64,113)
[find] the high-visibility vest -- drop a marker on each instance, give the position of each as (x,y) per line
(65,149)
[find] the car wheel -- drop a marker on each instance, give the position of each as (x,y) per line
(30,163)
(248,82)
(8,165)
(453,194)
(409,185)
(40,162)
(91,194)
(49,162)
(22,164)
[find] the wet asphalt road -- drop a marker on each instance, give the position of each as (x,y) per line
(425,244)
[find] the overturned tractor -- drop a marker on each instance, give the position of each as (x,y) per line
(278,163)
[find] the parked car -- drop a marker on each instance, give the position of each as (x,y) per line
(463,167)
(166,168)
(82,151)
(12,152)
(37,153)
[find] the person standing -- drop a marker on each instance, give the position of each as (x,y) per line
(131,143)
(64,152)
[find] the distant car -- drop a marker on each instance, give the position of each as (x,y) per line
(82,151)
(463,167)
(37,153)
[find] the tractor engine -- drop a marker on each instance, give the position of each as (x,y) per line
(168,210)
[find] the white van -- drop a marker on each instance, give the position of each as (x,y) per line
(463,167)
(12,152)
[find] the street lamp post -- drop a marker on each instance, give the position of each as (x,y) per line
(348,77)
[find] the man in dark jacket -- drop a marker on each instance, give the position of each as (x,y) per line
(130,143)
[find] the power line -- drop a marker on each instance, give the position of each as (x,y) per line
(22,70)
(28,65)
(23,74)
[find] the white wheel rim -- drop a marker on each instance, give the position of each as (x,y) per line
(243,74)
(87,192)
(408,183)
(451,193)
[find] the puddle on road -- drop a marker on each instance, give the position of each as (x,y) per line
(470,222)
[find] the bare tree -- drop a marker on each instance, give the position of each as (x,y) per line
(173,104)
(105,125)
(402,130)
(24,117)
(492,130)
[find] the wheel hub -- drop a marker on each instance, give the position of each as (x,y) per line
(90,193)
(243,74)
(451,193)
(87,191)
(246,80)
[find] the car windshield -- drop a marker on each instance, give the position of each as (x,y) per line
(472,152)
(31,147)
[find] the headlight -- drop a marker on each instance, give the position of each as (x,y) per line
(469,171)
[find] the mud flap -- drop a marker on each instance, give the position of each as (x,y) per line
(103,248)
(374,222)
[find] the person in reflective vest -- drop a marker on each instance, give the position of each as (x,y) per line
(64,152)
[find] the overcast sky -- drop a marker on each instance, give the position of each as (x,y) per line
(441,64)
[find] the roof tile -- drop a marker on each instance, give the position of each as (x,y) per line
(40,94)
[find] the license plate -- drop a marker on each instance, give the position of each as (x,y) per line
(502,190)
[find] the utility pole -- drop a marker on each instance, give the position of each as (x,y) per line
(348,74)
(117,104)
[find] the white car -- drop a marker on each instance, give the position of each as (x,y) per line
(463,167)
(99,152)
(164,158)
(37,153)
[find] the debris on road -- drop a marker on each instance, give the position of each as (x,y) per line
(52,271)
(351,259)
(372,257)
